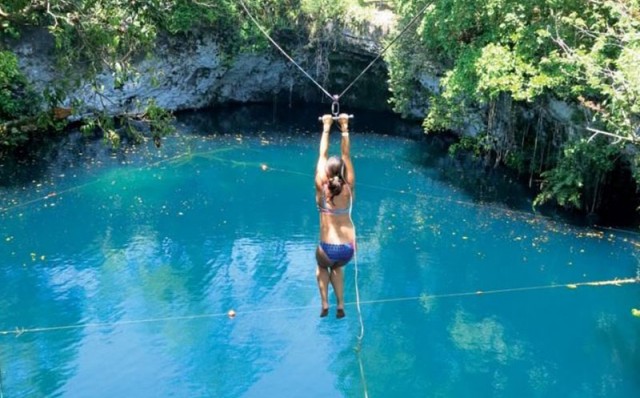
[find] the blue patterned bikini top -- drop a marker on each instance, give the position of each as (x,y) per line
(332,211)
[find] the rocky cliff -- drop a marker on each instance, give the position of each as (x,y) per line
(194,73)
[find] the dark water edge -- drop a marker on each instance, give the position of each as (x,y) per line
(488,186)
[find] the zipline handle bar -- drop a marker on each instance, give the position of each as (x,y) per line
(335,117)
(335,108)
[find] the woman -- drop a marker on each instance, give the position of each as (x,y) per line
(334,195)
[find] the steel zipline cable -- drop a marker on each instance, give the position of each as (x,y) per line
(361,335)
(616,282)
(406,28)
(264,32)
(335,98)
(335,108)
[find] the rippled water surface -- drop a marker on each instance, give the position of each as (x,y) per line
(118,271)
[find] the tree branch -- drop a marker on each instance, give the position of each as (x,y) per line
(618,137)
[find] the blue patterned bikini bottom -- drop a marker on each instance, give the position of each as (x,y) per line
(341,252)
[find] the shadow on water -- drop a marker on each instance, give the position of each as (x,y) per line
(485,185)
(488,185)
(297,119)
(54,157)
(257,119)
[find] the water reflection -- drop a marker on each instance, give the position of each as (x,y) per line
(141,255)
(37,364)
(484,340)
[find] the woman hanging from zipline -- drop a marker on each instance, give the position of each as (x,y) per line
(334,182)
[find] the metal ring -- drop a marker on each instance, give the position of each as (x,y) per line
(335,108)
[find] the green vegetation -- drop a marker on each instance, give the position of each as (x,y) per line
(98,36)
(94,37)
(17,100)
(15,95)
(508,60)
(12,85)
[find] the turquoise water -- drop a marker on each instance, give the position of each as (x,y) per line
(118,271)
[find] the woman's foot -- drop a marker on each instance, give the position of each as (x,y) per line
(324,312)
(340,313)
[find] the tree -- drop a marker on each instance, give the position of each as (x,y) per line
(107,36)
(582,53)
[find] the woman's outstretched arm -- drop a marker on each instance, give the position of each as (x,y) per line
(345,147)
(327,120)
